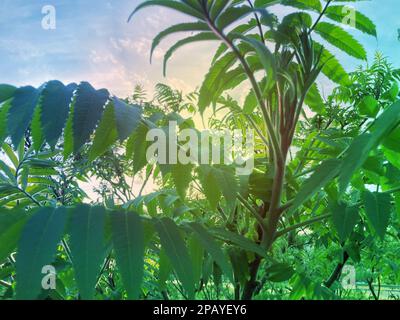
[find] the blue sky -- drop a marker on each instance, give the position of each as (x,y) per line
(93,42)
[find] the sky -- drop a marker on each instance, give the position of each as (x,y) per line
(93,42)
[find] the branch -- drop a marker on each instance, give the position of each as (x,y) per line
(29,196)
(397,189)
(145,182)
(250,75)
(258,22)
(260,134)
(286,206)
(259,219)
(5,284)
(303,224)
(371,288)
(320,17)
(337,271)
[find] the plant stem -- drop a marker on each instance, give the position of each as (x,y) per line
(5,284)
(320,16)
(145,182)
(259,26)
(337,271)
(253,81)
(255,214)
(29,196)
(251,284)
(303,224)
(260,134)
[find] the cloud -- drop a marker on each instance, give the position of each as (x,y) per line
(111,72)
(21,50)
(101,47)
(140,46)
(97,57)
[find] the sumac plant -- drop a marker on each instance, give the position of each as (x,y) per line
(325,181)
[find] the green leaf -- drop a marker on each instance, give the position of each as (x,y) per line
(353,250)
(106,133)
(342,14)
(217,276)
(4,108)
(128,237)
(21,112)
(182,176)
(240,265)
(368,106)
(339,38)
(332,68)
(87,247)
(9,172)
(392,93)
(69,132)
(279,272)
(354,159)
(217,8)
(266,57)
(54,101)
(136,147)
(203,36)
(344,219)
(6,92)
(213,79)
(11,224)
(250,103)
(314,5)
(314,100)
(87,111)
(213,248)
(164,270)
(385,123)
(360,148)
(378,209)
(239,240)
(227,184)
(36,129)
(324,173)
(37,248)
(178,6)
(127,117)
(295,20)
(182,27)
(119,120)
(259,185)
(209,183)
(265,3)
(196,252)
(397,204)
(175,249)
(392,140)
(6,272)
(231,15)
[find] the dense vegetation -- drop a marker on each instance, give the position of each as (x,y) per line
(324,193)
